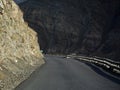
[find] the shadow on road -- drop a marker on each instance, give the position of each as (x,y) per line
(102,73)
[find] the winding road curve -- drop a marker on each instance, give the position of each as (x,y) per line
(68,74)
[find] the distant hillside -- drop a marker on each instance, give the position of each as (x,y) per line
(90,27)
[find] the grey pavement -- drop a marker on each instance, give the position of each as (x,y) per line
(68,74)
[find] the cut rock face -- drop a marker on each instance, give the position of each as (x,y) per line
(19,49)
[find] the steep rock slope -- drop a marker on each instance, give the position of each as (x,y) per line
(19,49)
(89,27)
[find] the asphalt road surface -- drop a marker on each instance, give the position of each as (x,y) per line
(68,74)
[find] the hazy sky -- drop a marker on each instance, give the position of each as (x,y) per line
(19,1)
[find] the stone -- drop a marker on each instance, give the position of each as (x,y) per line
(19,49)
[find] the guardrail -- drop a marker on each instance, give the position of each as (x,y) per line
(105,63)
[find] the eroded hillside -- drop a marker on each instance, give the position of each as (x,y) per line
(19,50)
(90,27)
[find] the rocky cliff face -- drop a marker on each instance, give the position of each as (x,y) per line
(90,27)
(19,49)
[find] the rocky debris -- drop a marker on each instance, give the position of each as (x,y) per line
(90,27)
(19,50)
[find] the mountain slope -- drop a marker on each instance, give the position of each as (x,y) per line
(89,27)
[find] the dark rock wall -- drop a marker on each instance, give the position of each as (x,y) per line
(89,27)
